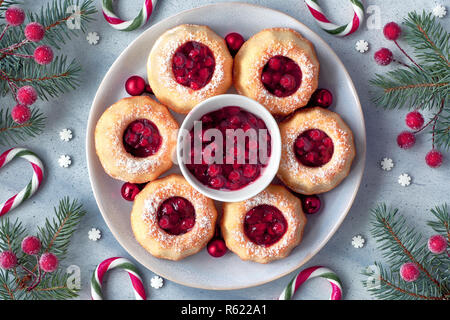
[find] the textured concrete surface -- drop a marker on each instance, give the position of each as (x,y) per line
(429,187)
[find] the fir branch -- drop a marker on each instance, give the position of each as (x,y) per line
(11,132)
(53,287)
(442,130)
(56,233)
(442,225)
(11,234)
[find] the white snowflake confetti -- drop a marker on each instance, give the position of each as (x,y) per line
(65,135)
(404,180)
(64,161)
(387,164)
(93,38)
(439,11)
(362,46)
(358,241)
(94,234)
(156,282)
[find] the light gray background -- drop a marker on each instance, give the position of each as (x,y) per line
(429,186)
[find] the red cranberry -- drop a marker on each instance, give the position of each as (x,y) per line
(321,98)
(43,55)
(14,16)
(406,140)
(193,65)
(313,148)
(27,95)
(141,138)
(31,245)
(281,76)
(264,225)
(176,215)
(135,85)
(409,272)
(129,191)
(383,57)
(434,158)
(311,204)
(48,262)
(414,120)
(8,260)
(231,174)
(34,31)
(20,114)
(392,31)
(234,42)
(217,248)
(437,244)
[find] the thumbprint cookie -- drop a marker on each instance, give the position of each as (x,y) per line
(135,139)
(264,228)
(172,220)
(278,68)
(187,65)
(317,151)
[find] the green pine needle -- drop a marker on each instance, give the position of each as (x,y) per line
(11,132)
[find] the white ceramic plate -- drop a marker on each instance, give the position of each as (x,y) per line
(201,270)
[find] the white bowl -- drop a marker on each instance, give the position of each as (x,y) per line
(268,173)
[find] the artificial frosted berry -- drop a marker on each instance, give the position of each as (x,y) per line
(129,191)
(34,31)
(322,98)
(31,245)
(406,140)
(27,95)
(414,120)
(434,158)
(135,85)
(383,56)
(48,262)
(437,244)
(15,16)
(392,31)
(234,42)
(20,113)
(217,248)
(409,272)
(8,260)
(43,55)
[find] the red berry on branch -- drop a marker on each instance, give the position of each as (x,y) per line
(135,86)
(406,140)
(234,42)
(392,31)
(20,113)
(27,95)
(34,31)
(129,191)
(8,260)
(383,56)
(15,16)
(43,55)
(321,98)
(409,272)
(437,244)
(31,245)
(434,158)
(217,248)
(414,120)
(48,262)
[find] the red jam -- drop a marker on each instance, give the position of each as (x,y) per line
(231,173)
(176,216)
(265,225)
(281,76)
(141,138)
(313,148)
(193,65)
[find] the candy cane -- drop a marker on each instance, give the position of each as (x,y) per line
(314,272)
(328,26)
(121,263)
(32,186)
(129,25)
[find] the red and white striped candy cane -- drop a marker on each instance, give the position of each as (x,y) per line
(122,25)
(328,26)
(32,186)
(121,263)
(314,272)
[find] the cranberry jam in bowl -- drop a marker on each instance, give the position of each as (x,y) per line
(229,148)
